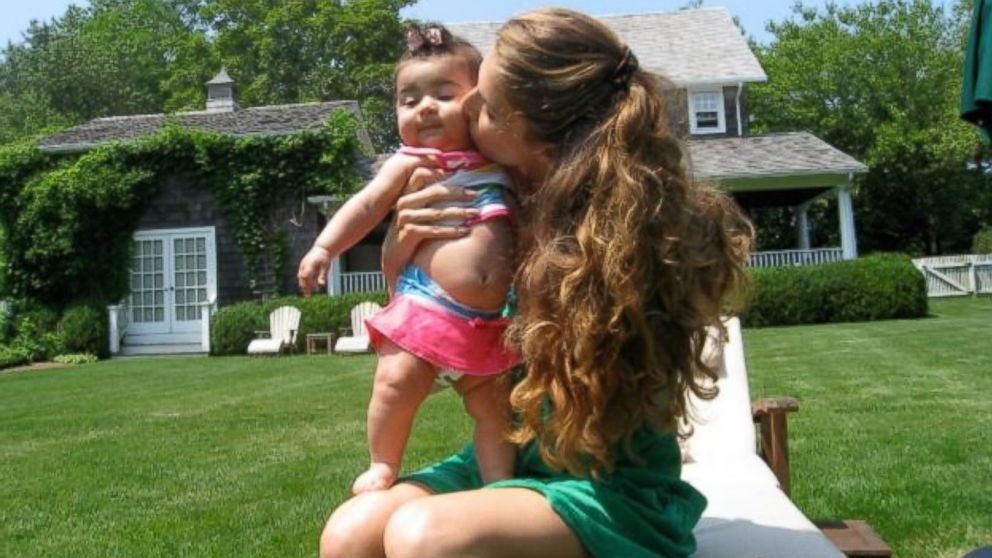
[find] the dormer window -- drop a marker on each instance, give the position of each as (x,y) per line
(706,112)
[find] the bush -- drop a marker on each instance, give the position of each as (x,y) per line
(77,358)
(877,287)
(85,329)
(35,333)
(982,242)
(13,356)
(234,326)
(6,323)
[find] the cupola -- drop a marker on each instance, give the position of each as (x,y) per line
(220,93)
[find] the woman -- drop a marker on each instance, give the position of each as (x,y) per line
(624,264)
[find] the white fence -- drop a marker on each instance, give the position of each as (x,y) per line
(782,258)
(956,275)
(362,282)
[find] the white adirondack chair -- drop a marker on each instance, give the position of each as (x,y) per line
(284,322)
(358,341)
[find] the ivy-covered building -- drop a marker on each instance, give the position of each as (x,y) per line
(218,210)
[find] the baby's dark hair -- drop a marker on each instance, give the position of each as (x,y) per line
(433,39)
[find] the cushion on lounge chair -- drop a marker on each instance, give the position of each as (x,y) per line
(747,515)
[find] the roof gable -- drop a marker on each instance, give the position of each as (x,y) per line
(688,47)
(789,154)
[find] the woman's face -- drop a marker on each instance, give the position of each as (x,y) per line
(499,132)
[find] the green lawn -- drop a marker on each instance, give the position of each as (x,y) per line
(895,422)
(245,457)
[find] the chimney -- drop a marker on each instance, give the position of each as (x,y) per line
(220,93)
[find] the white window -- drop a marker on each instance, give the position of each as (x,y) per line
(706,112)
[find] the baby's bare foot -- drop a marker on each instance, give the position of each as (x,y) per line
(379,476)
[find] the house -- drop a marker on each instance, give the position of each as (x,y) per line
(185,259)
(702,53)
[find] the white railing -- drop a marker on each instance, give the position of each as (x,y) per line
(783,258)
(957,275)
(119,319)
(207,309)
(362,282)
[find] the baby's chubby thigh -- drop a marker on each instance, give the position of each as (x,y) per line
(477,269)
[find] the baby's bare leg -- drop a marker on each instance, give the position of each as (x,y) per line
(402,382)
(487,400)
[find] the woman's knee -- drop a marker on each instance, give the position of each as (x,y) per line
(355,529)
(420,530)
(347,537)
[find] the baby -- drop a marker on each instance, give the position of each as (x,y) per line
(446,318)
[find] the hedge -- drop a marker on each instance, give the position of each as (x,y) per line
(31,332)
(982,242)
(234,326)
(85,328)
(876,287)
(13,356)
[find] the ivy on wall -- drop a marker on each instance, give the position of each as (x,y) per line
(68,219)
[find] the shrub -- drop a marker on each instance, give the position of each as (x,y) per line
(85,329)
(6,323)
(234,326)
(35,334)
(13,356)
(877,287)
(982,242)
(76,358)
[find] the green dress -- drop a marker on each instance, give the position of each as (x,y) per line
(639,511)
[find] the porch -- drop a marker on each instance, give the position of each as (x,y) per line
(792,170)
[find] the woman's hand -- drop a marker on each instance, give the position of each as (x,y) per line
(416,221)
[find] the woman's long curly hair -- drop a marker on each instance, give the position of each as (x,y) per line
(625,260)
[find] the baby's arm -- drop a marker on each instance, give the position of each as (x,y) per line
(356,218)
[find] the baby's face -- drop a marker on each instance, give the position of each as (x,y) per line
(429,96)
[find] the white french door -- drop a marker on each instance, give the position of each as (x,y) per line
(172,273)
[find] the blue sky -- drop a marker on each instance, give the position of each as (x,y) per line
(16,14)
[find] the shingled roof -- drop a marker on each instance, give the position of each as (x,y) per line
(769,156)
(689,47)
(265,120)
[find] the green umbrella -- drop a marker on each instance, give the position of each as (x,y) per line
(976,91)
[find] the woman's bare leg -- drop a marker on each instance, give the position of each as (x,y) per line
(355,529)
(488,523)
(487,400)
(402,382)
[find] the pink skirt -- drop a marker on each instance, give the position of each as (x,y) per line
(447,340)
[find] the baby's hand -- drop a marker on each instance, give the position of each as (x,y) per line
(313,270)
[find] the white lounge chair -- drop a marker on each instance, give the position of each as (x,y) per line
(284,322)
(358,340)
(749,514)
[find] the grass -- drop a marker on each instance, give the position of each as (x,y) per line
(895,423)
(246,457)
(189,456)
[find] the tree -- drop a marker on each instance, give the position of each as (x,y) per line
(289,52)
(120,57)
(881,81)
(112,58)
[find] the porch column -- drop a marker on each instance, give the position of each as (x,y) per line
(334,287)
(802,227)
(845,211)
(115,337)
